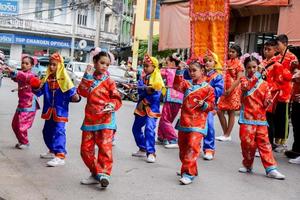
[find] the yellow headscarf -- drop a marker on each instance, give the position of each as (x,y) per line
(156,80)
(63,79)
(218,66)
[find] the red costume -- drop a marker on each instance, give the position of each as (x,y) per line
(98,126)
(282,111)
(192,125)
(279,79)
(233,100)
(253,123)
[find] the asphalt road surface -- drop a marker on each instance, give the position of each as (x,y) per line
(25,176)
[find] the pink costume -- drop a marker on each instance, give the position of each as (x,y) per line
(172,105)
(27,105)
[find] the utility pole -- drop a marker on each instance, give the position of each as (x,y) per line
(152,17)
(98,6)
(74,25)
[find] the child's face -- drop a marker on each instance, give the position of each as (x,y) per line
(232,54)
(148,68)
(26,65)
(251,68)
(209,63)
(281,46)
(196,73)
(269,51)
(53,66)
(102,65)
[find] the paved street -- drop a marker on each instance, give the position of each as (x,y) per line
(24,175)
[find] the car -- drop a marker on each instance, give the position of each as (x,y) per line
(76,71)
(117,74)
(39,70)
(15,64)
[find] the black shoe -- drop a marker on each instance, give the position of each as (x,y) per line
(292,154)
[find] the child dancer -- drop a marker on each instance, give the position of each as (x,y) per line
(278,79)
(253,123)
(230,101)
(198,101)
(28,104)
(215,80)
(147,109)
(103,99)
(282,111)
(172,104)
(58,91)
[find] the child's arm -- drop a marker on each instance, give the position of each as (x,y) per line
(180,84)
(86,82)
(115,98)
(218,86)
(208,103)
(268,97)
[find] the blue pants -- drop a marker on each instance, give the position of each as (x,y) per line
(209,140)
(55,136)
(145,141)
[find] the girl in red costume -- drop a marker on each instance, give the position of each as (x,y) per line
(231,99)
(99,124)
(198,100)
(256,99)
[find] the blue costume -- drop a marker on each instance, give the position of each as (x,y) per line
(146,114)
(217,82)
(55,112)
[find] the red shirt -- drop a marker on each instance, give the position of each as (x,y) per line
(279,78)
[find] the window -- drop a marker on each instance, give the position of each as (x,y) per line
(38,7)
(82,19)
(51,5)
(148,9)
(106,23)
(64,3)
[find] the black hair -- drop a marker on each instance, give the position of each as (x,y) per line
(30,59)
(271,43)
(250,59)
(177,61)
(197,64)
(237,48)
(97,57)
(283,38)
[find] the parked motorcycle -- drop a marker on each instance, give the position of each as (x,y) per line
(128,90)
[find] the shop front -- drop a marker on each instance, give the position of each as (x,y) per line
(14,45)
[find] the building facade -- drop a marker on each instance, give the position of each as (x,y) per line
(142,24)
(39,27)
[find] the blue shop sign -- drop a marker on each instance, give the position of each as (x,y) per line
(34,41)
(9,7)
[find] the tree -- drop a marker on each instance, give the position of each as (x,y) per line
(158,54)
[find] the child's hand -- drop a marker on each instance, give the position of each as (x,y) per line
(108,108)
(201,102)
(268,102)
(89,69)
(181,66)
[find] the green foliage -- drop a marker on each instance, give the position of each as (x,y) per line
(158,54)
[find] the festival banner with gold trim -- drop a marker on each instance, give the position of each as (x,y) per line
(209,27)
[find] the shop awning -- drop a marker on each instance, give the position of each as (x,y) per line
(289,24)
